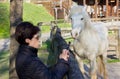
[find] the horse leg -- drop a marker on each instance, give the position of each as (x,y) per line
(104,60)
(100,64)
(93,68)
(80,62)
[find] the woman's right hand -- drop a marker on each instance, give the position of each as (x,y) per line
(64,55)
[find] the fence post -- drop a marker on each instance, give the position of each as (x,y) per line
(119,41)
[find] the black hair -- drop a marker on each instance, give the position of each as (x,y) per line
(25,30)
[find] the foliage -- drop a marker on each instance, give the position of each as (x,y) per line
(4,20)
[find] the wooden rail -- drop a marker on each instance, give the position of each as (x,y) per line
(49,23)
(109,19)
(106,19)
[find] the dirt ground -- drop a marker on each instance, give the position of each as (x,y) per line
(113,69)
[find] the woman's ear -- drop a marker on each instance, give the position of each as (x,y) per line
(27,40)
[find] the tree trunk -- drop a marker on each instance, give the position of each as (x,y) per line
(16,10)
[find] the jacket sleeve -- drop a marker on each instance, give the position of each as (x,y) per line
(40,71)
(61,42)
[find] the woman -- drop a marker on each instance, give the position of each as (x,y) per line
(28,65)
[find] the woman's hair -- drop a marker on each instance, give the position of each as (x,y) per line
(25,30)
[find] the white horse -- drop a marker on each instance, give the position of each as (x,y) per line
(90,41)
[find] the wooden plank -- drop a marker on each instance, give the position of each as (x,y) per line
(105,19)
(49,23)
(107,8)
(96,9)
(114,28)
(117,5)
(44,23)
(119,43)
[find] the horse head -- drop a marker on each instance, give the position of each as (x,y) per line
(78,18)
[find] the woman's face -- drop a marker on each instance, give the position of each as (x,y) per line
(35,41)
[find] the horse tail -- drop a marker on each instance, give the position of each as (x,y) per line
(101,67)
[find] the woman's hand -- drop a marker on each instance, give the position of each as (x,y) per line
(64,55)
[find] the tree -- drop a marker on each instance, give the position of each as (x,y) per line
(16,10)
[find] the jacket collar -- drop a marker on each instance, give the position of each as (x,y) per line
(29,50)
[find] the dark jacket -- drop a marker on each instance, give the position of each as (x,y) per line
(74,70)
(29,66)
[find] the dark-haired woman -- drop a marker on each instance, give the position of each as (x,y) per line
(28,65)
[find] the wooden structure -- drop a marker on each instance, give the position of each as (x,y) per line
(58,8)
(114,40)
(61,8)
(96,8)
(101,8)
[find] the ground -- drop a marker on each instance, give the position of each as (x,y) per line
(112,68)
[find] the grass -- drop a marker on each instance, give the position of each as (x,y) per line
(31,13)
(35,14)
(4,20)
(113,60)
(45,29)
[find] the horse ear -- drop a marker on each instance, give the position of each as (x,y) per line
(74,4)
(84,8)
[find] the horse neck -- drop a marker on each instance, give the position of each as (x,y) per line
(88,25)
(88,29)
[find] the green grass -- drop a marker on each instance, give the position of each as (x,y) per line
(113,60)
(35,14)
(31,12)
(45,29)
(4,20)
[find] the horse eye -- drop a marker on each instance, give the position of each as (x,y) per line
(81,18)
